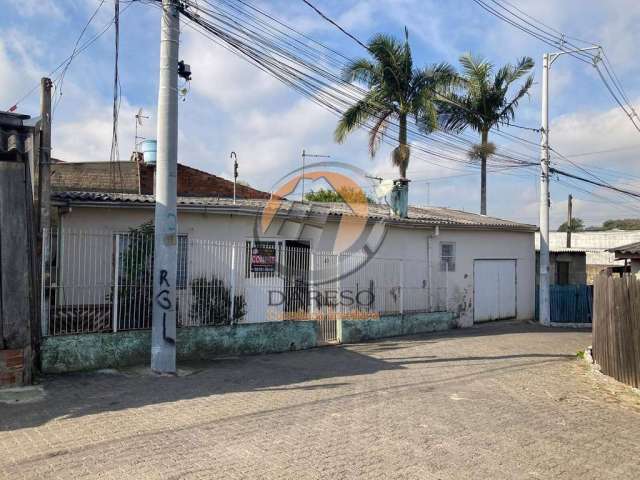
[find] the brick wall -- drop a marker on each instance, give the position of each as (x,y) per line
(196,183)
(12,367)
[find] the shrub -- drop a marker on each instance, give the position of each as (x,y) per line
(211,302)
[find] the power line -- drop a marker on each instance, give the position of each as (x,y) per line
(298,72)
(115,154)
(600,152)
(435,92)
(336,25)
(559,40)
(299,68)
(77,51)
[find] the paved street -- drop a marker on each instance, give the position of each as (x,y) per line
(497,401)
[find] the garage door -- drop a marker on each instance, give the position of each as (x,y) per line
(494,287)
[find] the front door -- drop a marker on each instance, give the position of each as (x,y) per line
(296,276)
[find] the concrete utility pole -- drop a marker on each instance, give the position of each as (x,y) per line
(163,333)
(545,308)
(545,200)
(569,227)
(44,173)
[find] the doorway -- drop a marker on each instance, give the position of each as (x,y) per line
(296,276)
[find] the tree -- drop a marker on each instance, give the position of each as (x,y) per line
(622,224)
(397,91)
(482,102)
(345,194)
(577,225)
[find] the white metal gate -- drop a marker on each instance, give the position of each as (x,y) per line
(494,287)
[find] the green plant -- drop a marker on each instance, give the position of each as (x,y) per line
(135,274)
(344,194)
(211,302)
(482,102)
(397,91)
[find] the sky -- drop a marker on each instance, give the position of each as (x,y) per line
(232,106)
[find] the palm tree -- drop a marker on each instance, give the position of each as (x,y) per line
(396,92)
(483,104)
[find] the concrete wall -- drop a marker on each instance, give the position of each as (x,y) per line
(577,267)
(353,331)
(93,351)
(474,245)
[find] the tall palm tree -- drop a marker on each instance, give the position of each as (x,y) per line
(482,103)
(397,91)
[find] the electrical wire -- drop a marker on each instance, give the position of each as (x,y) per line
(553,37)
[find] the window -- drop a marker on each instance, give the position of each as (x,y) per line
(448,257)
(136,253)
(183,262)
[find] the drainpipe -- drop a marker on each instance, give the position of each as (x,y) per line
(436,233)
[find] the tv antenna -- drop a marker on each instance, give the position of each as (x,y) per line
(306,155)
(139,116)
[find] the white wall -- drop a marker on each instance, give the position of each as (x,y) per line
(474,245)
(595,243)
(408,243)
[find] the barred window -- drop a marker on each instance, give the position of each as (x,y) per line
(183,262)
(136,255)
(448,257)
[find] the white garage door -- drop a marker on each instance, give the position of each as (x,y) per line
(494,287)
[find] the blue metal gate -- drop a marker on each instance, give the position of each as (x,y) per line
(570,303)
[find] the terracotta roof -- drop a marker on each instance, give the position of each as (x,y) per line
(422,216)
(138,178)
(197,183)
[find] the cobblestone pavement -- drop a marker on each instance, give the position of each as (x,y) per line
(502,400)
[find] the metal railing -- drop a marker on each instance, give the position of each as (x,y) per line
(102,282)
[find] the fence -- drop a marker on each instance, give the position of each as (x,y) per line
(569,303)
(616,327)
(97,282)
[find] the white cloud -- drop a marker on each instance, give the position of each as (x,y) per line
(31,8)
(224,78)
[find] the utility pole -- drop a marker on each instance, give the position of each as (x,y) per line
(163,332)
(569,226)
(43,234)
(545,200)
(545,308)
(44,171)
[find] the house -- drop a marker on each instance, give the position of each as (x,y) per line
(597,247)
(567,266)
(276,272)
(630,254)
